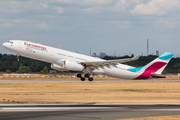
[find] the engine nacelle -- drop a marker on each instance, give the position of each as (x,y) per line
(58,67)
(71,65)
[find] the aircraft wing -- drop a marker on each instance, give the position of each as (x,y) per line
(107,63)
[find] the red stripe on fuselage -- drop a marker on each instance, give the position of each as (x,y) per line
(151,69)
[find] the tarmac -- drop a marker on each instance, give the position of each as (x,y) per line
(85,111)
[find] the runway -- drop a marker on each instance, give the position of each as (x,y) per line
(76,80)
(85,111)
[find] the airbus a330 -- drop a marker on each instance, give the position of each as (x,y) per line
(63,60)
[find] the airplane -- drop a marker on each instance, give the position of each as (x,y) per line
(63,60)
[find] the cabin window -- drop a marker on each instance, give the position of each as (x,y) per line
(10,42)
(70,56)
(61,54)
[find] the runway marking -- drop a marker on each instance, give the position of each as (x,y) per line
(54,108)
(157,109)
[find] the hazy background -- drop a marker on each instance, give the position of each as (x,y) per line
(119,27)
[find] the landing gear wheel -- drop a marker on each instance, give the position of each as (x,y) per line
(90,79)
(87,75)
(83,79)
(79,75)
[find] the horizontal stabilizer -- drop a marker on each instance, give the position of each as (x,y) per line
(154,75)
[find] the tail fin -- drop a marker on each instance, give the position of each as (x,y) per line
(156,66)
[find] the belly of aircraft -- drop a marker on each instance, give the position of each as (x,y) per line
(120,73)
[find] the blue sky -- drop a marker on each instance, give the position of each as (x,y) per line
(111,26)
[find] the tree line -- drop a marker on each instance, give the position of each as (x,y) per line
(9,62)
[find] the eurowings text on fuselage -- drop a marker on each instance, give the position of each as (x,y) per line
(63,60)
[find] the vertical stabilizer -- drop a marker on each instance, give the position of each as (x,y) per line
(156,66)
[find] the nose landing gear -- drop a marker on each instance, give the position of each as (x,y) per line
(17,57)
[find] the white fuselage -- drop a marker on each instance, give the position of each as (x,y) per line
(58,56)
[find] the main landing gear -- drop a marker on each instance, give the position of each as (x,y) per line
(85,76)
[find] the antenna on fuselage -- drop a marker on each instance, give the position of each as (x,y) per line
(59,46)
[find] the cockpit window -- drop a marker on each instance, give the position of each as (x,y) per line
(10,42)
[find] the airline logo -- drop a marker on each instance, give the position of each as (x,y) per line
(158,64)
(35,46)
(151,69)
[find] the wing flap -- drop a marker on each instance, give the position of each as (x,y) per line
(107,63)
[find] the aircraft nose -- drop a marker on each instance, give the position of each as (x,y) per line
(5,45)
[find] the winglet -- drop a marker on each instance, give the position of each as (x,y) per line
(136,57)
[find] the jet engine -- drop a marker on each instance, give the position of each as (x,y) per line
(58,67)
(72,65)
(67,65)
